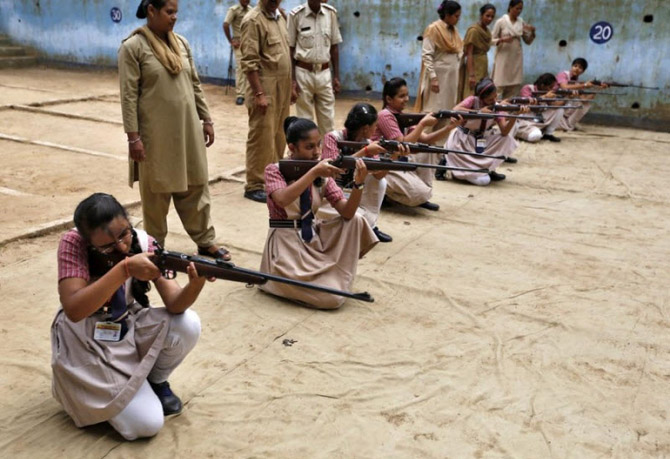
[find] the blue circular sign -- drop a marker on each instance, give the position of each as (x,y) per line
(115,14)
(601,32)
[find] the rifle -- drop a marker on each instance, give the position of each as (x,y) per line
(406,120)
(293,169)
(393,145)
(533,108)
(172,262)
(531,100)
(569,92)
(614,84)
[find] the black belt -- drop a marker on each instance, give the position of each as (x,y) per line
(285,223)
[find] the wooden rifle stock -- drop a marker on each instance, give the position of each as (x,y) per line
(172,262)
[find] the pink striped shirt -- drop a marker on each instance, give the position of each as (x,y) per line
(527,90)
(73,256)
(329,149)
(275,181)
(387,126)
(565,78)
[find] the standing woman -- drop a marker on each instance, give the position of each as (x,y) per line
(163,105)
(304,248)
(508,62)
(476,44)
(440,61)
(112,353)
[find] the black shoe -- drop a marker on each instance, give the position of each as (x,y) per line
(430,206)
(170,402)
(383,237)
(511,160)
(551,138)
(496,177)
(441,174)
(239,101)
(256,195)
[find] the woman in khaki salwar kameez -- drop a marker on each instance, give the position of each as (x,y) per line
(303,247)
(476,44)
(163,104)
(507,34)
(440,61)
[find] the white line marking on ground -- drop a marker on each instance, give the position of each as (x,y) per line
(61,147)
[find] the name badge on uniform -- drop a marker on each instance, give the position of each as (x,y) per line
(107,331)
(481,145)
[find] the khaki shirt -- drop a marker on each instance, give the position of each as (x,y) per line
(265,44)
(312,34)
(234,18)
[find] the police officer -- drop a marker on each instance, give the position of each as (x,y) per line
(266,60)
(314,34)
(234,18)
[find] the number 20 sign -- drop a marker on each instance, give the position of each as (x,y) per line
(601,32)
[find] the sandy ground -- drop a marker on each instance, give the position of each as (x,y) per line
(524,319)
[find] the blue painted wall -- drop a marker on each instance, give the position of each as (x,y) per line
(380,40)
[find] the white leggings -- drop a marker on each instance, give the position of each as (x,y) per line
(143,416)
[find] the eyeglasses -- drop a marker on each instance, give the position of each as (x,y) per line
(122,239)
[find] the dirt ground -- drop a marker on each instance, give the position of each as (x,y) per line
(524,319)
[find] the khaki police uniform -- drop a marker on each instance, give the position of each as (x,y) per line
(234,18)
(265,50)
(312,35)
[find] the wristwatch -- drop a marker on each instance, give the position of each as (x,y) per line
(356,186)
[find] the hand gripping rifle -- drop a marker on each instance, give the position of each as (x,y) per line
(614,84)
(406,120)
(348,148)
(293,169)
(172,262)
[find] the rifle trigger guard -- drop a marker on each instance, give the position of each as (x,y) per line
(169,274)
(249,285)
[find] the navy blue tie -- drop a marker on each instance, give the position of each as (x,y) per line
(118,303)
(306,215)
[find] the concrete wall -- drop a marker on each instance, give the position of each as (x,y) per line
(381,41)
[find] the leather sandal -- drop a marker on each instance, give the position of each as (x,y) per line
(218,253)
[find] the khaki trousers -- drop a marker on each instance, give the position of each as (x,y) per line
(316,96)
(266,141)
(241,81)
(509,91)
(192,206)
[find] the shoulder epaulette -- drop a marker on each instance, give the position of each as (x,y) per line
(329,7)
(298,8)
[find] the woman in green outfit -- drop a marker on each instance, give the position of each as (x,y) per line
(475,45)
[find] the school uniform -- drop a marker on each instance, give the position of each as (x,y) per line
(301,247)
(532,131)
(574,115)
(410,188)
(374,188)
(96,380)
(465,138)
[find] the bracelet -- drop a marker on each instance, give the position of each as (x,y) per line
(358,186)
(259,93)
(125,265)
(135,140)
(365,149)
(211,123)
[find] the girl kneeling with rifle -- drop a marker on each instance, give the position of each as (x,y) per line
(298,245)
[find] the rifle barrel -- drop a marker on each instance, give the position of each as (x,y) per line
(221,269)
(392,145)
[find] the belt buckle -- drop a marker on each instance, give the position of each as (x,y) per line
(317,67)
